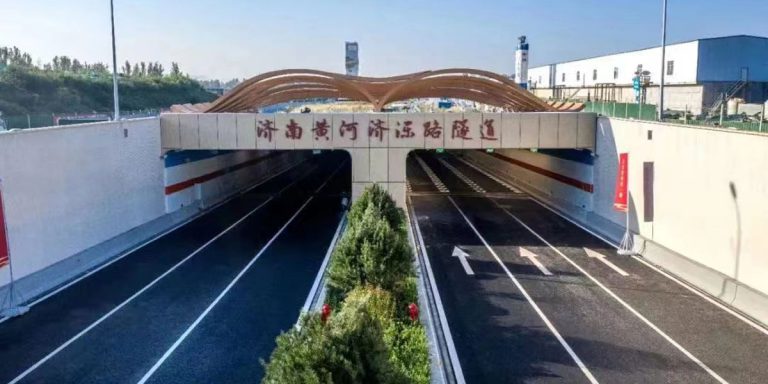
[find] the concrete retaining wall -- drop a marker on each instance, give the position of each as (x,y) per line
(697,228)
(75,196)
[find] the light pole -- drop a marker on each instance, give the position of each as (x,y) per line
(114,61)
(663,59)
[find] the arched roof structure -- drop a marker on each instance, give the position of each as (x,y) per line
(298,84)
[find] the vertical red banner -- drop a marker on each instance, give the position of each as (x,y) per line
(3,236)
(620,199)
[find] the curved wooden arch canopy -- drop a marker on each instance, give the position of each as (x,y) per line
(298,84)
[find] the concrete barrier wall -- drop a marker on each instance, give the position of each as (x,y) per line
(696,228)
(75,196)
(65,187)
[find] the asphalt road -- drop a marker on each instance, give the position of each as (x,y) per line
(202,303)
(543,300)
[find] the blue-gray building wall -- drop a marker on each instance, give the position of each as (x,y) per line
(722,59)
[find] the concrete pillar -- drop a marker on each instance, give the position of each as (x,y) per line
(383,166)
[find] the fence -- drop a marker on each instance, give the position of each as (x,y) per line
(50,119)
(650,112)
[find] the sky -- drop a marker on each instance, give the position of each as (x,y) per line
(225,39)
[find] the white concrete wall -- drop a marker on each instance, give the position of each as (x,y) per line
(64,188)
(695,214)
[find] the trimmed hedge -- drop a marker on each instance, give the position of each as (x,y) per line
(369,338)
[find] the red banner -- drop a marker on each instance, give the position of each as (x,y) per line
(621,198)
(3,236)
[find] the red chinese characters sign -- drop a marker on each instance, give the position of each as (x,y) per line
(622,182)
(265,129)
(348,128)
(321,129)
(293,130)
(432,129)
(377,128)
(460,129)
(487,131)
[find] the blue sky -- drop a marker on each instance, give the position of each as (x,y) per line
(239,38)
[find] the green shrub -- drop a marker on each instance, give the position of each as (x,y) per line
(377,198)
(371,252)
(409,351)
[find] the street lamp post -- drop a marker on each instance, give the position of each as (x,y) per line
(663,59)
(114,62)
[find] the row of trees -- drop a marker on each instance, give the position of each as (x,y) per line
(68,85)
(371,336)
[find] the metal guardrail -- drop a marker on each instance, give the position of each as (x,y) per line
(49,120)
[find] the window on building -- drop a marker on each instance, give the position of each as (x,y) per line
(578,75)
(594,74)
(563,77)
(615,73)
(670,67)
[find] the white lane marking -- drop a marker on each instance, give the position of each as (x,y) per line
(602,258)
(534,258)
(156,237)
(622,302)
(462,176)
(323,266)
(142,290)
(457,371)
(458,252)
(226,290)
(219,297)
(760,328)
(533,304)
(432,176)
(490,175)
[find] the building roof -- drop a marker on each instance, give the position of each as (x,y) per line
(656,46)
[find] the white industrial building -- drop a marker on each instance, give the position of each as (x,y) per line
(698,74)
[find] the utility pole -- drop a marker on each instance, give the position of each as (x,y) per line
(663,59)
(114,61)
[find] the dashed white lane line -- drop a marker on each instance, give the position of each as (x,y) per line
(462,176)
(619,300)
(532,303)
(604,259)
(432,176)
(226,290)
(490,176)
(144,289)
(452,354)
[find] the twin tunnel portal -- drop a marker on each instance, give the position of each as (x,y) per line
(515,291)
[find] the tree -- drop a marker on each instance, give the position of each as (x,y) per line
(77,67)
(175,71)
(127,69)
(136,70)
(143,71)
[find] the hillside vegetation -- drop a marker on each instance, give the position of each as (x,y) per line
(69,86)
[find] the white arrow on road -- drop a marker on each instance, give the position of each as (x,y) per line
(457,252)
(597,255)
(534,259)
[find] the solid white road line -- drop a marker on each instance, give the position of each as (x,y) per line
(142,290)
(532,303)
(221,295)
(323,266)
(760,328)
(156,237)
(431,174)
(621,301)
(534,258)
(226,290)
(457,371)
(603,259)
(489,175)
(475,187)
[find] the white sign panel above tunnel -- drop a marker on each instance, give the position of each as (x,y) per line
(471,130)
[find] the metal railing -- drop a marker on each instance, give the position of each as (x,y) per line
(54,119)
(649,112)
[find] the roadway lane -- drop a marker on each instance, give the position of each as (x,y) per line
(613,344)
(127,343)
(499,339)
(265,302)
(625,321)
(454,184)
(485,182)
(718,338)
(417,178)
(27,339)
